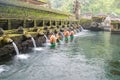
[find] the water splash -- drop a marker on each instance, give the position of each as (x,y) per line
(38,49)
(82,28)
(22,56)
(16,48)
(83,34)
(1,69)
(46,38)
(34,43)
(75,31)
(19,56)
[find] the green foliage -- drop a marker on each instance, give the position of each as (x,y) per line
(89,6)
(84,21)
(115,22)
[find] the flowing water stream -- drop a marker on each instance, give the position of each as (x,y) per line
(92,56)
(16,48)
(34,43)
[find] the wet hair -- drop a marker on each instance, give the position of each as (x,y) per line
(51,33)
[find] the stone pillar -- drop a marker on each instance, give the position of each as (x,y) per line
(66,22)
(35,23)
(43,23)
(56,23)
(50,23)
(9,24)
(117,26)
(69,22)
(24,23)
(61,22)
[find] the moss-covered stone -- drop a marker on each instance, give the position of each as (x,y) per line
(86,22)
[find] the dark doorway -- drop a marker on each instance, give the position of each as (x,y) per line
(39,23)
(4,24)
(29,23)
(16,23)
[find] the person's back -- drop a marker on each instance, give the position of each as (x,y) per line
(71,36)
(59,37)
(52,41)
(66,34)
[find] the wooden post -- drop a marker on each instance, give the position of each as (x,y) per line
(9,24)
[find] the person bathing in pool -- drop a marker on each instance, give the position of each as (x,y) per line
(71,35)
(59,38)
(66,34)
(52,40)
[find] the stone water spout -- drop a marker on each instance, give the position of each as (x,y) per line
(26,36)
(5,39)
(20,30)
(35,29)
(1,31)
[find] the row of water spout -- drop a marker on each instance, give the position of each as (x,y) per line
(34,43)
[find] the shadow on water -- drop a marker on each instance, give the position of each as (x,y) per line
(115,67)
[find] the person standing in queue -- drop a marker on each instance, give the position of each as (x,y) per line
(66,34)
(52,40)
(71,35)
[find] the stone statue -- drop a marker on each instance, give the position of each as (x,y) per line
(20,30)
(5,39)
(107,21)
(1,31)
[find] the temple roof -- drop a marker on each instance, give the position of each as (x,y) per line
(19,3)
(45,1)
(36,2)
